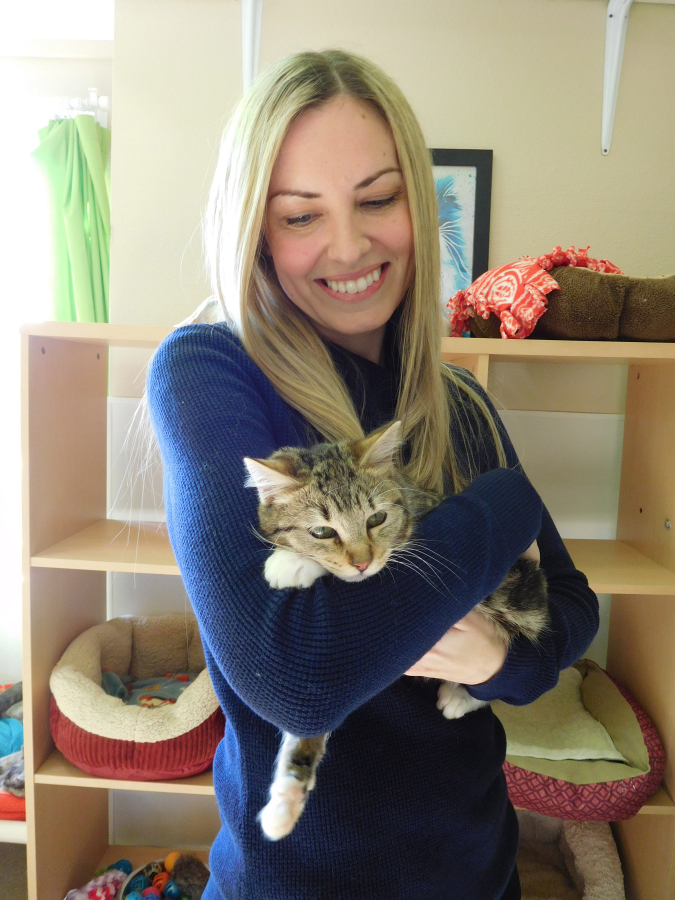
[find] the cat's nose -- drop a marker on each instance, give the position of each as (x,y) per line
(361,566)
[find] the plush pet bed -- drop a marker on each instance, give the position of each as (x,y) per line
(584,750)
(559,860)
(565,295)
(104,736)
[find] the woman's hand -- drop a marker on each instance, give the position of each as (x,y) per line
(470,653)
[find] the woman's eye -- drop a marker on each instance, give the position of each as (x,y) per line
(376,519)
(381,204)
(322,532)
(300,220)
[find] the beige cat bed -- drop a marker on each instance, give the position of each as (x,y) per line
(102,735)
(564,860)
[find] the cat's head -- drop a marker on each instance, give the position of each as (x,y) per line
(344,505)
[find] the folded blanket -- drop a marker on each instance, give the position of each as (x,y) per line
(13,774)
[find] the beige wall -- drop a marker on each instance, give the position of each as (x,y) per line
(523,77)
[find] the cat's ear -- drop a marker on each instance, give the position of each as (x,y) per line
(378,450)
(271,478)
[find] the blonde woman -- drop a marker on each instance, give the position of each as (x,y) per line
(322,242)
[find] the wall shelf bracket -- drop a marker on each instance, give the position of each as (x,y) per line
(617,23)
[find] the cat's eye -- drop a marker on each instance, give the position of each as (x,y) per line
(322,532)
(376,519)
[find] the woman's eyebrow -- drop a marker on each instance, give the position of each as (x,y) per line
(308,195)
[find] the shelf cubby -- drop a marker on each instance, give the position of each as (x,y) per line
(70,545)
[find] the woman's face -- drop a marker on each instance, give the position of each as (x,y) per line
(338,225)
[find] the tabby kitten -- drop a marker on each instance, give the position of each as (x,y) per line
(346,509)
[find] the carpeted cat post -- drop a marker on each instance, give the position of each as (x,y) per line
(565,860)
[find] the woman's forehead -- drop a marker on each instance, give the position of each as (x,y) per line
(344,140)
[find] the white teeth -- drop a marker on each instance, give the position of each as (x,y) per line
(355,287)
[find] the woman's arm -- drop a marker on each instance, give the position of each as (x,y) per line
(530,670)
(304,659)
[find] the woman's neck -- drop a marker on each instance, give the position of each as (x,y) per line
(368,345)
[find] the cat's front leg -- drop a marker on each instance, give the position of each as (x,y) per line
(294,778)
(455,701)
(285,569)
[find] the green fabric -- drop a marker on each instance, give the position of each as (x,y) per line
(606,704)
(73,154)
(558,725)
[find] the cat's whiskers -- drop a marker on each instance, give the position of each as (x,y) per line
(406,564)
(261,537)
(422,549)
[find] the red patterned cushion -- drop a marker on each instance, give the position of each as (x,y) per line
(606,802)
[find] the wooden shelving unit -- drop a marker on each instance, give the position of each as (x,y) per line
(69,545)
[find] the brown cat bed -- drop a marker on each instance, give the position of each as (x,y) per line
(559,860)
(102,735)
(565,295)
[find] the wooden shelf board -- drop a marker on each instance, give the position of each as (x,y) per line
(451,348)
(13,831)
(91,333)
(616,352)
(613,567)
(113,546)
(57,770)
(659,804)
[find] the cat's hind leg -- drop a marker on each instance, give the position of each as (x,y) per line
(294,778)
(455,701)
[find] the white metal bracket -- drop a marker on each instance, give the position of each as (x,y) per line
(251,19)
(617,23)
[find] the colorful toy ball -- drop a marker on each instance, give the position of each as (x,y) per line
(170,861)
(122,865)
(159,881)
(151,892)
(139,883)
(134,895)
(172,891)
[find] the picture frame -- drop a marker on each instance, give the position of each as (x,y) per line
(463,180)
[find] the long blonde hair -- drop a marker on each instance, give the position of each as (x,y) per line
(275,334)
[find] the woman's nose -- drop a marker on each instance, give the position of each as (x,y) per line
(348,242)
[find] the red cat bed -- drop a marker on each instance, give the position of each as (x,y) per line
(566,768)
(102,735)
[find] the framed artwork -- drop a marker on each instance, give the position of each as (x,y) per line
(463,181)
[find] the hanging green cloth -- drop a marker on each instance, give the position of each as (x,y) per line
(73,154)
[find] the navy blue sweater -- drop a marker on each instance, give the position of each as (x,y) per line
(408,805)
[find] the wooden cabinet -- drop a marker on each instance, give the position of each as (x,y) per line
(69,545)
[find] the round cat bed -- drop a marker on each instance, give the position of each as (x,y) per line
(582,781)
(104,736)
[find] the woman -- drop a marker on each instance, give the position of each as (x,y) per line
(322,240)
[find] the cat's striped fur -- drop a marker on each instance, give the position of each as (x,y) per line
(347,509)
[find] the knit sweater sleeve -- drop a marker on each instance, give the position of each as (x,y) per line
(304,659)
(531,669)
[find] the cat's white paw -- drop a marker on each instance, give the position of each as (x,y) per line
(285,569)
(281,814)
(455,701)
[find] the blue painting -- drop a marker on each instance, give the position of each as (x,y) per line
(456,194)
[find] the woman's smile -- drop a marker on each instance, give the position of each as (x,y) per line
(354,287)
